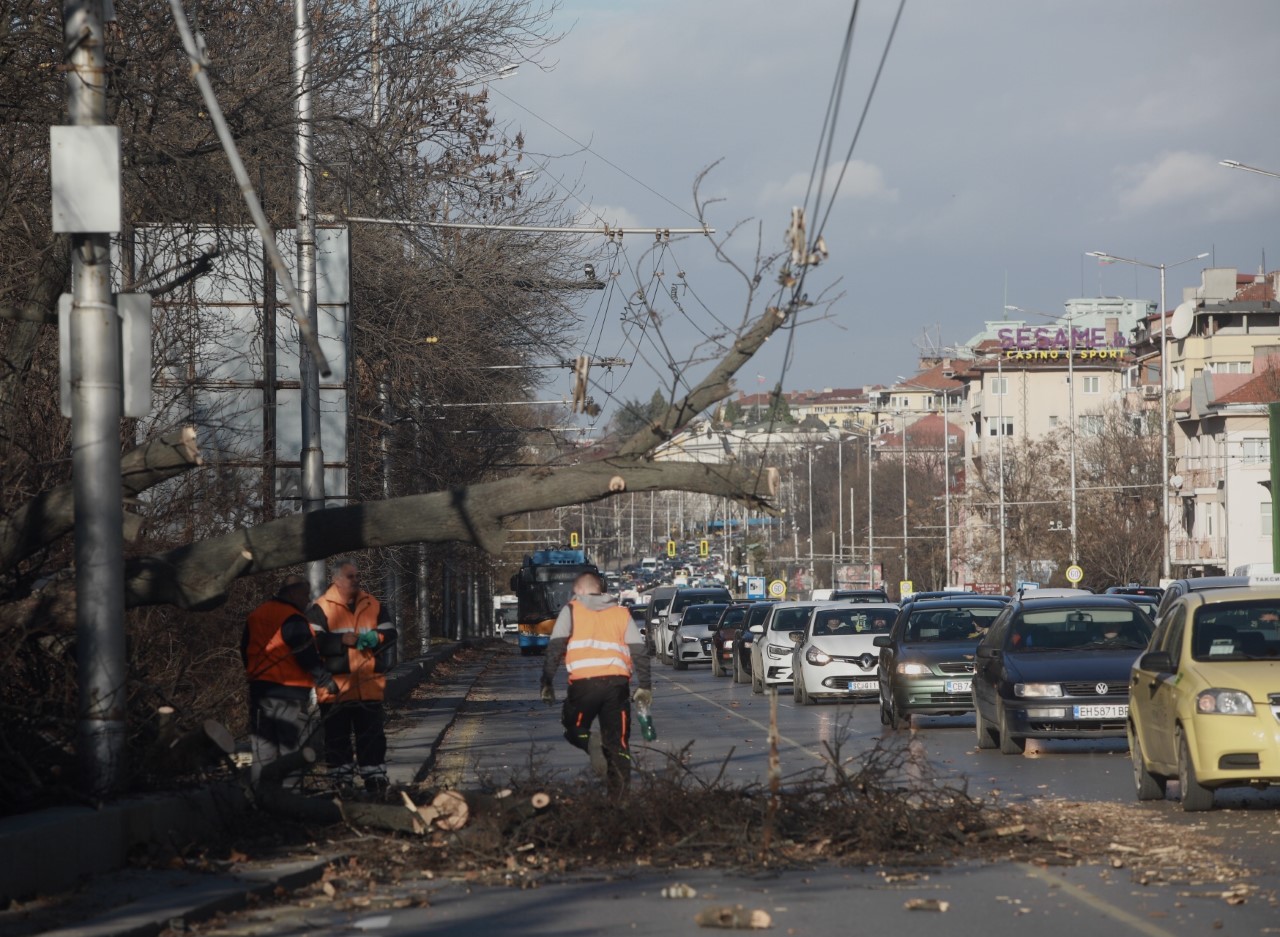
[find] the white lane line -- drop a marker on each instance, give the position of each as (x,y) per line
(1118,914)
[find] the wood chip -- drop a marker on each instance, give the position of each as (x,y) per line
(926,904)
(737,917)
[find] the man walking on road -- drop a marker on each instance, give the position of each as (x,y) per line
(357,639)
(284,668)
(600,646)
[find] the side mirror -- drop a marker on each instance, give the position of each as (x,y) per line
(882,640)
(756,629)
(796,636)
(988,653)
(1156,662)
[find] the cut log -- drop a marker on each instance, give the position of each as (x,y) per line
(456,809)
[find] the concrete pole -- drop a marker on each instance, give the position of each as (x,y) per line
(1004,581)
(906,567)
(96,400)
(946,480)
(871,515)
(312,456)
(1165,563)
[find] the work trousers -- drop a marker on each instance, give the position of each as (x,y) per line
(278,726)
(609,700)
(358,719)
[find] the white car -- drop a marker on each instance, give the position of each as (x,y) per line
(836,658)
(691,639)
(773,645)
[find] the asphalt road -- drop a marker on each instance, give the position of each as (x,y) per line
(503,728)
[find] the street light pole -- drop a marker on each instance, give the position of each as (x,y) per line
(810,511)
(946,480)
(1166,566)
(905,561)
(1071,418)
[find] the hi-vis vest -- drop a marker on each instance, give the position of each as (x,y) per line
(363,679)
(267,657)
(598,643)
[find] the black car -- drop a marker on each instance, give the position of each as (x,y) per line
(1057,668)
(858,595)
(740,662)
(927,659)
(723,636)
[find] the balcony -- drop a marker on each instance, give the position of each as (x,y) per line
(1198,550)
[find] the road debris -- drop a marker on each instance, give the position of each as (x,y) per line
(736,917)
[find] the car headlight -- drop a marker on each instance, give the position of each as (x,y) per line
(1224,702)
(912,670)
(775,651)
(817,656)
(1037,689)
(688,639)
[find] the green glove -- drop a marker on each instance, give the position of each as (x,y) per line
(367,641)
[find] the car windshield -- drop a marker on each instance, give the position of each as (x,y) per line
(1074,629)
(681,602)
(704,615)
(758,613)
(846,621)
(1236,631)
(789,619)
(949,624)
(732,616)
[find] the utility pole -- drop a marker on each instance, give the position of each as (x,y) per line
(96,382)
(312,456)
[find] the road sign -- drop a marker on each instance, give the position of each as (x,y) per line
(905,588)
(671,548)
(777,588)
(755,587)
(1074,574)
(573,539)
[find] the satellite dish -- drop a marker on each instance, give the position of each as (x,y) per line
(1184,317)
(1175,482)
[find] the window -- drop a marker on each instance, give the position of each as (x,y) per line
(999,386)
(1257,450)
(1053,422)
(993,426)
(1091,424)
(1092,384)
(1229,367)
(1264,515)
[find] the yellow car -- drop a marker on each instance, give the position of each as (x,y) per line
(1204,700)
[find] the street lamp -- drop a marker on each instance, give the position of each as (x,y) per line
(1233,164)
(906,569)
(1164,374)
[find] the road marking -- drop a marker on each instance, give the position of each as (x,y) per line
(763,727)
(1098,904)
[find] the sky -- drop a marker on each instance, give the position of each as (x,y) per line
(1005,139)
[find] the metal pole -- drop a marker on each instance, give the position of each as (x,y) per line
(96,400)
(906,569)
(1004,580)
(871,517)
(391,575)
(312,456)
(946,481)
(1165,568)
(811,512)
(1071,418)
(839,499)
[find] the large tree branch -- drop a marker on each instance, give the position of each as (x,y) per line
(51,514)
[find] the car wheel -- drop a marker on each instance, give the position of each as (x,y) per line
(884,711)
(986,731)
(679,664)
(797,692)
(738,675)
(1009,743)
(757,685)
(716,669)
(1195,796)
(1147,785)
(896,719)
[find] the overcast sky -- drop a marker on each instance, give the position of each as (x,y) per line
(1006,138)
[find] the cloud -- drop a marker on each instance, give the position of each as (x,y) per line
(1191,181)
(612,215)
(860,180)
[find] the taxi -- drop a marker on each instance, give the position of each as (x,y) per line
(1204,700)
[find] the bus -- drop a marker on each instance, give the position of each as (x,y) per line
(542,587)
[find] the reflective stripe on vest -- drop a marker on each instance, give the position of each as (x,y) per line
(598,643)
(362,681)
(268,658)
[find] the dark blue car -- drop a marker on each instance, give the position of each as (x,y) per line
(1057,668)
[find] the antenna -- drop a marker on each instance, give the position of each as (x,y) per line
(1184,317)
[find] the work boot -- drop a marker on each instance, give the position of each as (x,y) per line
(341,777)
(375,779)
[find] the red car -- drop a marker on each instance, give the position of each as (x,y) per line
(723,636)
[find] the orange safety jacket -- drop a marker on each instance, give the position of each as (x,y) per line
(268,658)
(362,675)
(598,643)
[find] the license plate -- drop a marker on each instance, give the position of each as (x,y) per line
(958,686)
(728,644)
(855,685)
(1114,711)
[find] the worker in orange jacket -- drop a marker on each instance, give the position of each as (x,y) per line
(357,639)
(284,669)
(601,647)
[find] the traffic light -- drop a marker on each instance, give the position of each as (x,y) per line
(573,539)
(704,548)
(671,548)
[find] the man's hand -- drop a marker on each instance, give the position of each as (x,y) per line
(643,698)
(327,683)
(548,694)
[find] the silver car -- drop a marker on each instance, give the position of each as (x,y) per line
(691,639)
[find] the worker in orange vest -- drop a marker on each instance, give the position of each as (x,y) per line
(284,668)
(357,639)
(601,647)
